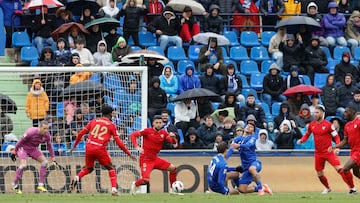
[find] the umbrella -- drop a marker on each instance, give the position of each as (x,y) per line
(64,28)
(305,89)
(292,24)
(83,87)
(105,23)
(136,55)
(194,94)
(77,6)
(7,104)
(203,38)
(34,4)
(178,5)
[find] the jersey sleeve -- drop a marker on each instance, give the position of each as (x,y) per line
(22,141)
(307,134)
(82,133)
(50,146)
(249,143)
(135,135)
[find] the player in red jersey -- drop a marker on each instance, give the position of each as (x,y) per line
(100,131)
(153,139)
(351,136)
(323,133)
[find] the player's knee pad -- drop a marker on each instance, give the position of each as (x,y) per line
(44,163)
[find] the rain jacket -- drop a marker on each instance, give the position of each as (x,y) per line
(342,68)
(37,102)
(187,82)
(291,7)
(117,53)
(273,84)
(213,23)
(171,84)
(282,116)
(285,140)
(264,144)
(102,58)
(132,16)
(169,27)
(334,24)
(329,92)
(210,82)
(352,29)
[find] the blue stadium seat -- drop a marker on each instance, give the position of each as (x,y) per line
(194,51)
(215,105)
(248,67)
(256,81)
(20,39)
(266,108)
(225,53)
(28,54)
(331,65)
(95,77)
(259,53)
(266,36)
(245,84)
(60,107)
(306,79)
(327,52)
(147,39)
(120,31)
(130,42)
(357,54)
(320,79)
(249,39)
(182,64)
(232,37)
(34,63)
(275,108)
(246,92)
(171,106)
(112,81)
(135,48)
(181,136)
(238,53)
(265,65)
(176,53)
(339,50)
(137,123)
(157,49)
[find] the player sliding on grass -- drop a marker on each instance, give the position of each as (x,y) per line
(29,146)
(101,130)
(153,139)
(251,165)
(323,132)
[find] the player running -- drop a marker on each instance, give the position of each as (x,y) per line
(28,145)
(153,139)
(101,130)
(251,165)
(218,172)
(351,136)
(323,132)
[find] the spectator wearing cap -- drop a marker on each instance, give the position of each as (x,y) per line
(188,80)
(329,92)
(294,78)
(209,81)
(169,82)
(273,86)
(285,137)
(263,143)
(352,30)
(212,53)
(344,67)
(345,94)
(192,140)
(207,130)
(86,57)
(334,25)
(101,56)
(74,60)
(292,51)
(189,25)
(231,83)
(62,54)
(256,110)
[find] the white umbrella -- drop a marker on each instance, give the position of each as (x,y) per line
(178,5)
(136,55)
(203,38)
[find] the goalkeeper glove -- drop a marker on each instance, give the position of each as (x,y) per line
(13,157)
(239,169)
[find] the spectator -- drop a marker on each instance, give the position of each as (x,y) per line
(79,77)
(231,83)
(77,124)
(75,60)
(334,25)
(338,124)
(345,94)
(204,107)
(154,7)
(230,101)
(73,36)
(154,67)
(219,116)
(102,57)
(86,57)
(345,7)
(70,109)
(314,103)
(284,114)
(218,140)
(10,141)
(47,58)
(315,59)
(93,38)
(356,101)
(168,125)
(166,26)
(213,22)
(111,38)
(271,131)
(209,80)
(59,146)
(250,119)
(6,126)
(352,30)
(109,10)
(37,103)
(207,131)
(86,16)
(157,99)
(63,16)
(274,43)
(304,116)
(292,7)
(12,10)
(132,14)
(273,86)
(188,80)
(296,101)
(189,25)
(132,96)
(344,67)
(251,108)
(186,115)
(293,78)
(120,50)
(239,131)
(192,141)
(263,143)
(43,25)
(62,54)
(212,53)
(87,114)
(321,3)
(329,96)
(292,52)
(168,82)
(272,10)
(249,22)
(228,129)
(288,133)
(312,12)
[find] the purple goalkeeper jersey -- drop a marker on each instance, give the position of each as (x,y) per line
(31,140)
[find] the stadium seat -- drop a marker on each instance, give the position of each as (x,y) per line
(331,65)
(327,52)
(266,108)
(182,64)
(266,36)
(225,53)
(137,123)
(171,106)
(95,77)
(231,36)
(248,67)
(320,79)
(34,63)
(229,61)
(119,30)
(339,50)
(112,81)
(238,53)
(306,79)
(357,54)
(249,39)
(215,105)
(130,42)
(275,108)
(20,39)
(194,51)
(256,81)
(60,107)
(135,48)
(28,54)
(259,53)
(147,39)
(245,84)
(181,136)
(176,53)
(246,92)
(265,65)
(157,49)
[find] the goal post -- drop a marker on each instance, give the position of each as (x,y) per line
(71,106)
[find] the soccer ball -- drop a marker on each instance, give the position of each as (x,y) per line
(178,186)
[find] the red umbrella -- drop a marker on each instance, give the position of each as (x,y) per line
(34,4)
(64,28)
(305,89)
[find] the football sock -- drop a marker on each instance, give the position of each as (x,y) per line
(347,177)
(19,173)
(112,175)
(324,181)
(236,182)
(83,172)
(42,174)
(172,177)
(141,182)
(258,182)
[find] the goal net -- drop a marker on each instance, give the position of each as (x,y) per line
(74,95)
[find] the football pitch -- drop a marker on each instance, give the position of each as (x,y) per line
(167,198)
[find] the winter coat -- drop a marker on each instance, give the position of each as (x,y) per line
(157,98)
(345,8)
(63,57)
(117,53)
(43,30)
(170,28)
(235,105)
(282,116)
(255,110)
(224,84)
(187,82)
(197,144)
(171,84)
(345,94)
(47,62)
(334,25)
(274,43)
(37,102)
(102,58)
(107,11)
(203,60)
(292,55)
(132,17)
(352,29)
(86,57)
(285,140)
(273,84)
(322,5)
(278,6)
(343,68)
(183,113)
(213,23)
(315,56)
(210,82)
(207,134)
(264,144)
(300,120)
(329,92)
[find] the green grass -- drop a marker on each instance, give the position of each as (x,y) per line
(193,197)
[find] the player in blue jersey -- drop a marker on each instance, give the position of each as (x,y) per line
(218,172)
(251,165)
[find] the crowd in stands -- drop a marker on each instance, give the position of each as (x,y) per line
(295,58)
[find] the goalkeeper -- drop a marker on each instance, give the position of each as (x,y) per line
(28,145)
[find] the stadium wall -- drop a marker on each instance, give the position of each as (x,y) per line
(282,171)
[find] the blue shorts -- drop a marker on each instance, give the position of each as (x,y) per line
(221,190)
(246,177)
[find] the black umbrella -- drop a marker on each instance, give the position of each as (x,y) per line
(7,104)
(292,24)
(195,93)
(83,88)
(105,23)
(77,6)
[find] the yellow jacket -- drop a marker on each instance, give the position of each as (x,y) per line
(80,77)
(37,102)
(291,7)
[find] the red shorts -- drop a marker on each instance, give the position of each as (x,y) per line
(355,156)
(102,156)
(147,165)
(320,160)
